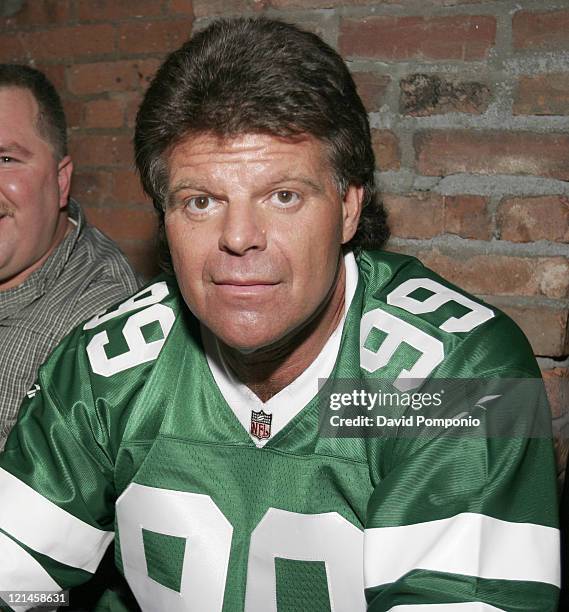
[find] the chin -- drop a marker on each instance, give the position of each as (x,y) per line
(248,344)
(247,340)
(246,331)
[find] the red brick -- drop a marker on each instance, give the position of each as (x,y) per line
(55,73)
(133,100)
(183,7)
(314,3)
(544,94)
(316,25)
(423,215)
(74,42)
(12,48)
(101,150)
(205,8)
(104,114)
(371,88)
(154,36)
(441,153)
(461,37)
(102,77)
(545,326)
(73,113)
(91,187)
(127,188)
(467,216)
(333,3)
(111,10)
(502,275)
(143,255)
(386,148)
(429,94)
(124,223)
(418,215)
(539,218)
(38,13)
(451,2)
(553,274)
(557,386)
(541,30)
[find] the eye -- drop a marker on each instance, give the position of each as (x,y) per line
(285,198)
(6,159)
(201,204)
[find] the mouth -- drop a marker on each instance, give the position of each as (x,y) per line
(244,287)
(249,282)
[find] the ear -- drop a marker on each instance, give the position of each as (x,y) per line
(351,211)
(64,172)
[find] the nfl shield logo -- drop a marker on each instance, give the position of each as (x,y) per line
(261,424)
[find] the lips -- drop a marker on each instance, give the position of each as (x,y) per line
(244,288)
(243,282)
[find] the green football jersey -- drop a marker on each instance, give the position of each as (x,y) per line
(217,502)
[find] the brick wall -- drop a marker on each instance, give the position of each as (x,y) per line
(468,100)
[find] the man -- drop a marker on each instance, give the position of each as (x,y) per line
(187,419)
(55,270)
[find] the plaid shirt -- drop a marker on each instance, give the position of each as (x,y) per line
(85,274)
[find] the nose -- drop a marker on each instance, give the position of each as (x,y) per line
(242,229)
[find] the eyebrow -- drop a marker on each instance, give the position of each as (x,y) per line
(14,147)
(186,184)
(306,180)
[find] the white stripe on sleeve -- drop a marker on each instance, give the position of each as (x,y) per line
(40,524)
(469,544)
(19,571)
(469,606)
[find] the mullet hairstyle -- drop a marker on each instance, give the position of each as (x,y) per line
(244,75)
(51,123)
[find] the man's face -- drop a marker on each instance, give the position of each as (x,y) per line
(255,226)
(33,189)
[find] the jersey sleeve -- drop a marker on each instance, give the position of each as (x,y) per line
(56,483)
(468,522)
(57,471)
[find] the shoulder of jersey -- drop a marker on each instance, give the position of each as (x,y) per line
(162,290)
(407,289)
(128,334)
(105,363)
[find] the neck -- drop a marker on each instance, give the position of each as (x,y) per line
(270,369)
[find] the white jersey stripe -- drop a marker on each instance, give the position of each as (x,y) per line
(469,606)
(469,544)
(38,523)
(19,571)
